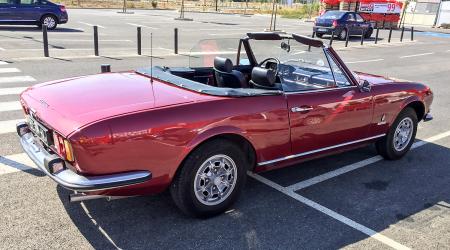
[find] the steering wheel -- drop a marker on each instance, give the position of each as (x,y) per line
(270,59)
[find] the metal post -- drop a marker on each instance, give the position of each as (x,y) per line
(331,39)
(412,33)
(175,40)
(45,39)
(362,36)
(313,34)
(376,35)
(346,39)
(390,34)
(139,40)
(96,40)
(401,36)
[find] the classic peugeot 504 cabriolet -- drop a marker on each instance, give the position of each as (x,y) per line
(271,101)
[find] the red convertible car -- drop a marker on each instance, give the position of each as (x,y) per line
(258,103)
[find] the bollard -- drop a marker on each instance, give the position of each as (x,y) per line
(313,34)
(45,39)
(412,33)
(331,39)
(401,35)
(175,40)
(96,41)
(105,68)
(376,35)
(346,39)
(390,34)
(362,36)
(139,40)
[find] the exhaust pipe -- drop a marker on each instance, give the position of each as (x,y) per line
(77,197)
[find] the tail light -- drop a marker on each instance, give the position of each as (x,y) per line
(62,8)
(335,23)
(63,147)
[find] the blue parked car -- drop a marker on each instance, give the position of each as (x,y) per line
(342,23)
(34,12)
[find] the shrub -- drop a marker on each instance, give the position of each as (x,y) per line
(445,25)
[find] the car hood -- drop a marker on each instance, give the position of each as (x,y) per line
(376,79)
(70,104)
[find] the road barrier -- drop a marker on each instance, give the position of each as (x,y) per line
(45,40)
(332,37)
(96,40)
(175,33)
(401,36)
(376,35)
(362,36)
(139,40)
(390,34)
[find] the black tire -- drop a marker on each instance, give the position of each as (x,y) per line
(319,35)
(386,147)
(50,21)
(343,34)
(183,185)
(368,33)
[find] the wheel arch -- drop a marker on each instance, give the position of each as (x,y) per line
(418,106)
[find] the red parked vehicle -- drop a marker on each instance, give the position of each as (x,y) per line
(197,130)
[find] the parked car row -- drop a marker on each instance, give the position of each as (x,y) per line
(32,12)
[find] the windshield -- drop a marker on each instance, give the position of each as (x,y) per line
(333,14)
(300,67)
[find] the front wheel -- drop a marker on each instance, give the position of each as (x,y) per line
(210,179)
(400,137)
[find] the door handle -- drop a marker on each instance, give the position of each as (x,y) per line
(302,109)
(13,7)
(37,7)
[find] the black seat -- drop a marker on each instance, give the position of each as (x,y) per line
(226,76)
(264,78)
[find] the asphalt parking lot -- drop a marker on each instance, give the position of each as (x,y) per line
(350,200)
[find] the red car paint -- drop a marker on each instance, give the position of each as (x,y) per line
(139,125)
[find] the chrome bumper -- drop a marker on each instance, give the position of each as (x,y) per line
(427,117)
(68,178)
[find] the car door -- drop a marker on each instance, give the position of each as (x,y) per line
(361,24)
(332,113)
(29,10)
(351,23)
(8,11)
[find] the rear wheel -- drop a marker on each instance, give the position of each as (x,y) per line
(319,35)
(400,137)
(343,34)
(368,33)
(210,179)
(49,21)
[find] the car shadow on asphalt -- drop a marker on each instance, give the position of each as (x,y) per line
(265,218)
(35,28)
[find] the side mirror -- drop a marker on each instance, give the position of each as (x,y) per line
(365,86)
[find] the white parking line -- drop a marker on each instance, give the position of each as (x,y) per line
(9,126)
(10,106)
(372,60)
(3,63)
(363,229)
(141,25)
(423,54)
(11,91)
(2,49)
(15,163)
(92,25)
(357,165)
(17,79)
(9,70)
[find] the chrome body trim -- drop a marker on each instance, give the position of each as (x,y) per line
(318,150)
(73,181)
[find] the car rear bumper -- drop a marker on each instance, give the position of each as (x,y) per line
(325,30)
(68,178)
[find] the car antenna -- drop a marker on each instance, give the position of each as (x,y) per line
(151,57)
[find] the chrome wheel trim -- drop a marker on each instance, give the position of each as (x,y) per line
(215,180)
(49,22)
(403,134)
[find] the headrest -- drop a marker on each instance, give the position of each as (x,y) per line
(263,77)
(223,64)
